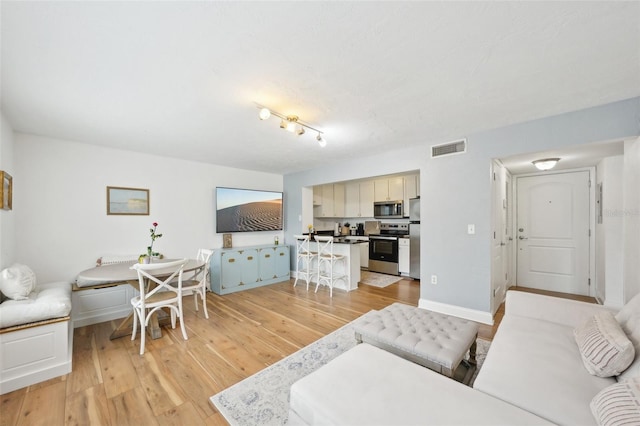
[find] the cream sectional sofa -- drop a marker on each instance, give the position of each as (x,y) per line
(533,374)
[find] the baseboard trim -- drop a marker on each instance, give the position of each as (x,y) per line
(457,311)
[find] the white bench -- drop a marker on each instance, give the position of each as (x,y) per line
(36,338)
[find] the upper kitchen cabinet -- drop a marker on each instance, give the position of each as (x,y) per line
(317,195)
(411,190)
(359,199)
(389,189)
(332,202)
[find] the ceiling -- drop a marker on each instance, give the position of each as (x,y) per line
(181,79)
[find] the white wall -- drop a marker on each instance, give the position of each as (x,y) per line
(609,233)
(7,217)
(631,216)
(456,191)
(60,204)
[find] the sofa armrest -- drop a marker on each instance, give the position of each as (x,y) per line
(567,312)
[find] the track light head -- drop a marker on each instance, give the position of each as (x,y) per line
(292,121)
(264,113)
(321,141)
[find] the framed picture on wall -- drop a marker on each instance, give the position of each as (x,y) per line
(127,201)
(6,191)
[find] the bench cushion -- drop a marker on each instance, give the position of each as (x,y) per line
(47,301)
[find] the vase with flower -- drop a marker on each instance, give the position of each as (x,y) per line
(150,254)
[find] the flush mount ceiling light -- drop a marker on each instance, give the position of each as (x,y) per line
(291,123)
(546,163)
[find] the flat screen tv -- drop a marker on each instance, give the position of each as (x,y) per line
(248,210)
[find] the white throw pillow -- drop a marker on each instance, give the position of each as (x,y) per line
(629,319)
(618,404)
(605,349)
(17,281)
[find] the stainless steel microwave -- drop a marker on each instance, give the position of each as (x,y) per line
(388,209)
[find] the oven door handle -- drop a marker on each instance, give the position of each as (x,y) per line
(383,238)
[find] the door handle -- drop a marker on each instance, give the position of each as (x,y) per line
(522,238)
(503,243)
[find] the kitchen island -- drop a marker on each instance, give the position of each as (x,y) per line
(351,251)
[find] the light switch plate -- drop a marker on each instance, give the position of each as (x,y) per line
(471,229)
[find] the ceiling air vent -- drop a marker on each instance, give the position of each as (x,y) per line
(449,148)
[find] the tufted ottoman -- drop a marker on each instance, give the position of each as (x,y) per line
(436,341)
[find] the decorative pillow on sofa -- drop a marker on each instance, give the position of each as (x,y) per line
(629,319)
(17,281)
(618,404)
(605,349)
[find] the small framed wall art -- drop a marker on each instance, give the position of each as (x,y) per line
(226,241)
(6,191)
(127,201)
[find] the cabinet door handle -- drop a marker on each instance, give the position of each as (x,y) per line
(281,253)
(250,258)
(231,260)
(267,255)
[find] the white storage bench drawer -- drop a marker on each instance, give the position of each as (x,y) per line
(107,302)
(34,353)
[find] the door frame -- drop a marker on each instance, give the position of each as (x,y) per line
(592,220)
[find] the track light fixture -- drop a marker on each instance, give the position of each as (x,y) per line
(291,123)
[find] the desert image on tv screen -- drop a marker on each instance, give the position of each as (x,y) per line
(245,210)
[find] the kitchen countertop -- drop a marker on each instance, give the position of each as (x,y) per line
(343,239)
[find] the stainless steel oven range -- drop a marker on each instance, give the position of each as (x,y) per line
(383,247)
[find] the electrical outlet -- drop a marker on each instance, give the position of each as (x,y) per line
(434,279)
(471,229)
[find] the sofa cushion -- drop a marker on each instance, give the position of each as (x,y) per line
(17,281)
(629,319)
(536,365)
(369,386)
(618,404)
(605,349)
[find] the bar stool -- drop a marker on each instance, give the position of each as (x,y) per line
(327,260)
(305,256)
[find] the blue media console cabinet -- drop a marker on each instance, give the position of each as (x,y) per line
(242,268)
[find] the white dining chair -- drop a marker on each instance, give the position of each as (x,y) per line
(304,259)
(198,283)
(157,293)
(327,261)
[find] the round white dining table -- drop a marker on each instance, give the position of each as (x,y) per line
(119,273)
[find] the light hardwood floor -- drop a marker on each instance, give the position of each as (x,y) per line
(111,384)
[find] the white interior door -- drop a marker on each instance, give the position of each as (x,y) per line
(501,237)
(553,232)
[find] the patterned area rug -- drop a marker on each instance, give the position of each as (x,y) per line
(377,280)
(263,399)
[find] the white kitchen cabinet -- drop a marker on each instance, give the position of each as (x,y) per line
(364,255)
(317,195)
(332,204)
(389,189)
(366,200)
(411,183)
(403,256)
(352,200)
(359,199)
(338,200)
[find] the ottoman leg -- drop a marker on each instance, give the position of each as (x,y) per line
(472,353)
